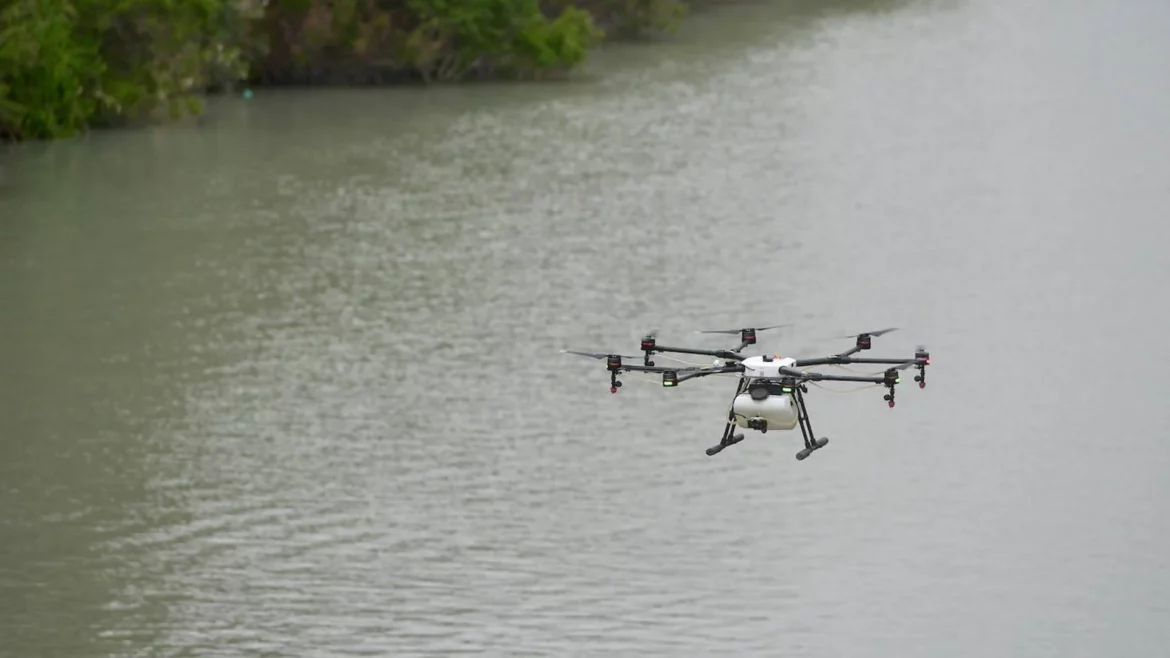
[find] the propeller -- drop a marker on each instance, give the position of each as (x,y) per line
(741,330)
(865,339)
(598,355)
(747,335)
(879,332)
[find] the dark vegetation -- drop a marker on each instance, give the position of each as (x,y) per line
(67,66)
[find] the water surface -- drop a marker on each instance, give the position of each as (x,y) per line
(288,382)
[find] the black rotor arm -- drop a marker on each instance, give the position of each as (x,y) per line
(821,377)
(890,378)
(719,354)
(747,338)
(692,374)
(671,376)
(843,359)
(920,361)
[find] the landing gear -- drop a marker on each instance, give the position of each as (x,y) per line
(729,437)
(727,440)
(811,443)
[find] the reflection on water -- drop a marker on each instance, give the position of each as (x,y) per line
(290,382)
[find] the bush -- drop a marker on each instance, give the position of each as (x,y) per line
(370,41)
(69,65)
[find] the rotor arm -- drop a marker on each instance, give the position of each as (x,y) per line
(719,354)
(820,377)
(836,359)
(890,378)
(842,359)
(682,376)
(747,338)
(657,369)
(863,342)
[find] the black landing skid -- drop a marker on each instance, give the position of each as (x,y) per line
(729,437)
(811,443)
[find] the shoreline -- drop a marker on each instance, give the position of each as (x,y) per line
(271,48)
(244,59)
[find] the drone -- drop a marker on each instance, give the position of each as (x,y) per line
(771,391)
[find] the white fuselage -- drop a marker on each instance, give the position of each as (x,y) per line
(779,408)
(757,367)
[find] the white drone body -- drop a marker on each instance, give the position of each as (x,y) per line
(764,398)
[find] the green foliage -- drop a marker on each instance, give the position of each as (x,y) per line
(635,18)
(44,71)
(348,41)
(70,65)
(455,36)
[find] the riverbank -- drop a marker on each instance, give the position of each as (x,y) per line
(68,67)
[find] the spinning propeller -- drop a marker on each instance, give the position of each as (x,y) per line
(865,339)
(879,332)
(747,335)
(742,329)
(598,355)
(613,363)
